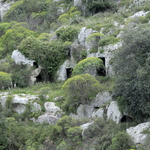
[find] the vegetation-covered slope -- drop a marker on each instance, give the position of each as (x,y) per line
(44,31)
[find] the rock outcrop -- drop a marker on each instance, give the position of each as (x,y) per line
(21,59)
(137,134)
(113,112)
(4,7)
(52,115)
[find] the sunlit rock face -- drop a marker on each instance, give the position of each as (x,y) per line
(137,134)
(4,7)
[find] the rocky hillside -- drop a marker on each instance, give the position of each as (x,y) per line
(74,75)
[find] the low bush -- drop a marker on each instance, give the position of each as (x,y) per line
(67,33)
(80,89)
(86,65)
(5,80)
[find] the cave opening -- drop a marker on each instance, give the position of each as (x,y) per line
(69,72)
(102,71)
(126,118)
(35,65)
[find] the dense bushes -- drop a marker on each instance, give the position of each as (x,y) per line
(133,73)
(5,80)
(95,6)
(11,39)
(80,89)
(67,33)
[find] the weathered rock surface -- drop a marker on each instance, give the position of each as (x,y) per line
(21,59)
(113,112)
(19,102)
(83,111)
(136,132)
(62,72)
(34,74)
(101,99)
(52,109)
(52,115)
(47,118)
(4,7)
(82,38)
(98,113)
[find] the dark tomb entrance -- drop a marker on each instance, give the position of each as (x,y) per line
(101,71)
(69,72)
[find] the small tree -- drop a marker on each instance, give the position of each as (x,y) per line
(5,80)
(133,73)
(80,89)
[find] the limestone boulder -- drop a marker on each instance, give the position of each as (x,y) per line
(78,3)
(4,7)
(101,99)
(137,134)
(52,109)
(19,58)
(47,118)
(113,112)
(83,111)
(34,74)
(98,113)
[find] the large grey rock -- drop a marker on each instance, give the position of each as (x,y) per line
(47,118)
(136,132)
(98,113)
(62,72)
(21,59)
(19,102)
(101,99)
(78,3)
(52,109)
(113,112)
(82,38)
(34,74)
(4,7)
(83,111)
(139,14)
(107,52)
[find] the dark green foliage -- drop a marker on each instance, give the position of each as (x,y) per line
(48,54)
(5,80)
(121,141)
(3,137)
(11,39)
(67,33)
(103,134)
(35,12)
(95,6)
(80,89)
(133,73)
(21,75)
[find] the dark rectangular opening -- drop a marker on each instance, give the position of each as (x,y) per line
(69,72)
(102,71)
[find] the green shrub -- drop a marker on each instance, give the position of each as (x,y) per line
(21,75)
(121,141)
(11,39)
(5,80)
(95,6)
(86,66)
(129,83)
(74,137)
(107,41)
(80,89)
(67,33)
